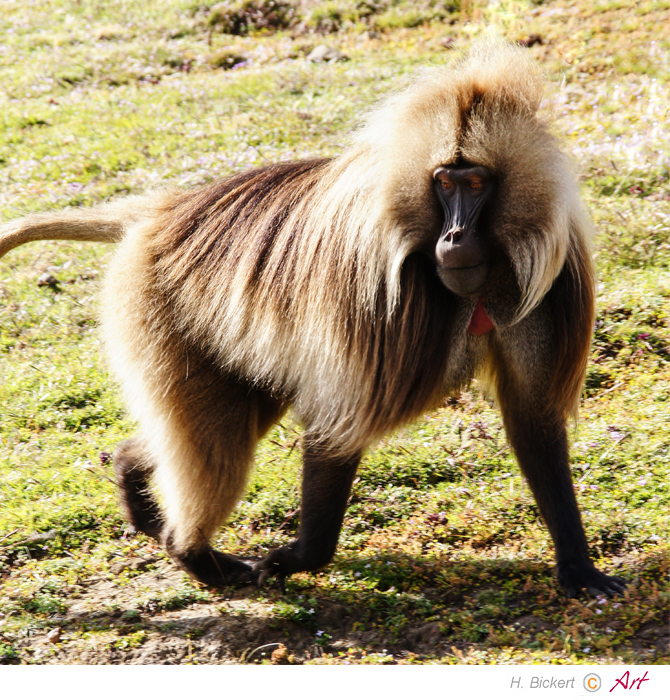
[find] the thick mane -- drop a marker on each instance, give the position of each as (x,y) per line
(353,370)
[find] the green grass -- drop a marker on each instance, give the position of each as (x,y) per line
(443,556)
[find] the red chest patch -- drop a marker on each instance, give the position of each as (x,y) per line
(480,321)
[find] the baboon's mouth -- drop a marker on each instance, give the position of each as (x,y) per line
(456,269)
(464,281)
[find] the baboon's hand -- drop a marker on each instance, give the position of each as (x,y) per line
(584,576)
(271,567)
(280,563)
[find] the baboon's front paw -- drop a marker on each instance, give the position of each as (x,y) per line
(278,564)
(584,576)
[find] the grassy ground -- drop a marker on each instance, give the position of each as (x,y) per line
(443,557)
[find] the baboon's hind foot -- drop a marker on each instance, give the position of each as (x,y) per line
(133,471)
(213,568)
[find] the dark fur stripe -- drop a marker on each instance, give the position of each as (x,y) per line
(572,300)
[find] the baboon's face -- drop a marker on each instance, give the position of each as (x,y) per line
(463,251)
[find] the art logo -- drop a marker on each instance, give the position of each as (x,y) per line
(628,683)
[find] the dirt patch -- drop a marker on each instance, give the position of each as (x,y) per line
(117,621)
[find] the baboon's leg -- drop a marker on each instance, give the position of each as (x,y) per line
(203,469)
(199,424)
(133,469)
(543,457)
(539,439)
(200,427)
(326,484)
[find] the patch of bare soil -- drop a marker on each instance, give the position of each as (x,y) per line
(123,621)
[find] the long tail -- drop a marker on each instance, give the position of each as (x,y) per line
(106,223)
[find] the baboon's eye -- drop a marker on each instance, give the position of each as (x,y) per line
(446,184)
(476,185)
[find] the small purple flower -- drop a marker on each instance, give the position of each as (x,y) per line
(615,433)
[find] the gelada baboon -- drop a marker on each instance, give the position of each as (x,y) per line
(449,241)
